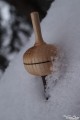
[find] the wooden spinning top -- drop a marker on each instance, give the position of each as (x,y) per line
(38,59)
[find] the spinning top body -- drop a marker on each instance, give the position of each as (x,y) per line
(39,59)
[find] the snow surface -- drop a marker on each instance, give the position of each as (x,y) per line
(21,94)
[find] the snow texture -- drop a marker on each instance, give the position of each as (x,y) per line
(22,94)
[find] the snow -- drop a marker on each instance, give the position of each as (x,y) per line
(4,7)
(22,94)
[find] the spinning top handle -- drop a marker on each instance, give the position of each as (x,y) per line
(36,27)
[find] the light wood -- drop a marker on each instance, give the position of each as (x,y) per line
(38,59)
(36,27)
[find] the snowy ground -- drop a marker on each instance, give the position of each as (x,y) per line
(21,94)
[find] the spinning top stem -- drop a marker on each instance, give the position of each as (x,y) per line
(36,27)
(45,86)
(44,82)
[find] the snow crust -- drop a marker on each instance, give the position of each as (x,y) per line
(22,94)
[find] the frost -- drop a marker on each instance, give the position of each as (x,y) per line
(57,72)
